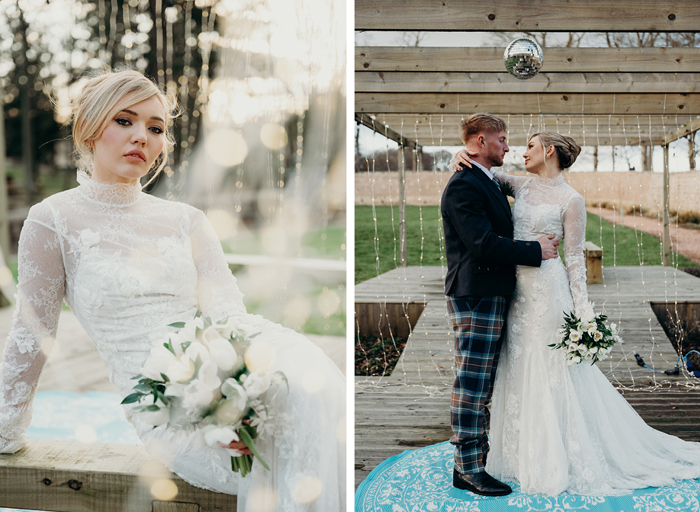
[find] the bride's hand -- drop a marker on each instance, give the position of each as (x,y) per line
(462,158)
(237,445)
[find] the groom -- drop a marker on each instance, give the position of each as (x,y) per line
(481,259)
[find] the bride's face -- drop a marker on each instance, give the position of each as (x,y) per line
(534,156)
(130,143)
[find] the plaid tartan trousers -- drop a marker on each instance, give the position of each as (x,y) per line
(479,325)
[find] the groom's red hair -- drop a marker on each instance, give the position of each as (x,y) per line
(479,123)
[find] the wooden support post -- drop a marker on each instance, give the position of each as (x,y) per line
(402,206)
(667,234)
(594,263)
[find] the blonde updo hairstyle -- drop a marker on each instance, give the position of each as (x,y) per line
(564,146)
(102,98)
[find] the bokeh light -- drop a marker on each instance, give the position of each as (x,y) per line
(164,489)
(262,499)
(307,489)
(226,147)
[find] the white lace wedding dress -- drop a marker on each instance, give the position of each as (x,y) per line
(128,264)
(555,427)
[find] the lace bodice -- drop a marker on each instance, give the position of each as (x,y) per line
(127,264)
(550,206)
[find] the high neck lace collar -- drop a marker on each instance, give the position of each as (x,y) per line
(119,194)
(550,182)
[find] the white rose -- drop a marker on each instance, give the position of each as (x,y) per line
(575,335)
(587,313)
(591,327)
(214,435)
(260,356)
(233,390)
(175,389)
(209,375)
(228,412)
(613,328)
(593,350)
(223,353)
(597,336)
(573,360)
(180,369)
(197,396)
(256,384)
(197,349)
(158,362)
(209,334)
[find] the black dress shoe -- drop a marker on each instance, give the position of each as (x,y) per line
(480,483)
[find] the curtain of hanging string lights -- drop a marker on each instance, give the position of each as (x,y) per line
(593,132)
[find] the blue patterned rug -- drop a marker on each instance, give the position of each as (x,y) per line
(421,481)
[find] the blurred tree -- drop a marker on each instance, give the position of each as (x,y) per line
(46,48)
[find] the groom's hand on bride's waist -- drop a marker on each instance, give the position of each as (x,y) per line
(548,246)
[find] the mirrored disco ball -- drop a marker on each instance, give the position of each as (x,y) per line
(523,58)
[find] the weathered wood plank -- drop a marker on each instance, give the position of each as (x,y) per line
(557,60)
(565,83)
(523,15)
(65,476)
(546,103)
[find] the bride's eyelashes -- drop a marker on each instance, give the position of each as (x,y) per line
(123,121)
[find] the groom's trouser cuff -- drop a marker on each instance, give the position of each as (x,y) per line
(478,324)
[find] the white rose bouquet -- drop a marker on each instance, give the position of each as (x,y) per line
(211,376)
(586,339)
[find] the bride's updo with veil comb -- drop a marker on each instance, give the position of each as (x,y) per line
(102,97)
(566,148)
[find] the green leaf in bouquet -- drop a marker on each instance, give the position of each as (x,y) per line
(137,377)
(245,436)
(151,408)
(177,325)
(165,377)
(142,386)
(169,346)
(185,345)
(132,398)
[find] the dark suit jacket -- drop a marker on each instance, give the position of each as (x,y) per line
(481,252)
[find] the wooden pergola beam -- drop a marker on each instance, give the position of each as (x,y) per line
(630,122)
(512,103)
(528,15)
(691,127)
(587,83)
(389,133)
(556,60)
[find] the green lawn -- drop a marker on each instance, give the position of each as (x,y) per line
(621,245)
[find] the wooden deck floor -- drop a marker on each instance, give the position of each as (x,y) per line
(410,408)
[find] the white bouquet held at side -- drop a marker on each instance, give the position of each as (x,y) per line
(587,339)
(210,375)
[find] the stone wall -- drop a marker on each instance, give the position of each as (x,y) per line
(619,189)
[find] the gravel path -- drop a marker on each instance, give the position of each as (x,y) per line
(684,240)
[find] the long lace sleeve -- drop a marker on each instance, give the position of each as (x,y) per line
(217,291)
(574,240)
(39,298)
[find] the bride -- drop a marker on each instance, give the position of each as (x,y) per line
(128,264)
(554,427)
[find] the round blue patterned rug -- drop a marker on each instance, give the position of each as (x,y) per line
(421,481)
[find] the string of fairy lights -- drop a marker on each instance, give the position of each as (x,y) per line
(411,370)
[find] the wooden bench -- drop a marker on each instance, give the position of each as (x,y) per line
(69,476)
(594,263)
